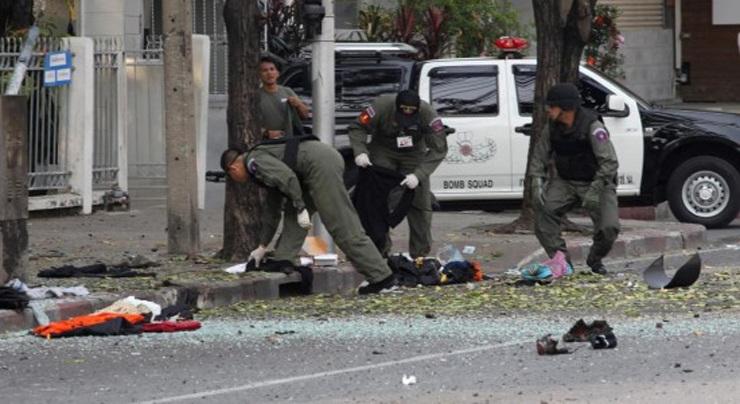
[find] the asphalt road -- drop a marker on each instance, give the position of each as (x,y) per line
(479,359)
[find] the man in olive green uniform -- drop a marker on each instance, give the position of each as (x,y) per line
(280,106)
(585,175)
(311,182)
(409,137)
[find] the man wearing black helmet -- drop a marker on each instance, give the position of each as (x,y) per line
(408,137)
(584,176)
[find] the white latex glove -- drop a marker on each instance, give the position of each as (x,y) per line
(411,181)
(257,254)
(304,219)
(363,160)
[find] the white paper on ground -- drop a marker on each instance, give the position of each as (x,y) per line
(237,269)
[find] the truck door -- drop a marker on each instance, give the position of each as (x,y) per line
(468,96)
(521,78)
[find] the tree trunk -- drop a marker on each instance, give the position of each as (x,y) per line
(15,15)
(243,203)
(563,29)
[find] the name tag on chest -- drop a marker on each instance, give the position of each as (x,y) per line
(403,142)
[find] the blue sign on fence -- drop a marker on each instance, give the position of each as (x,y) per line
(57,68)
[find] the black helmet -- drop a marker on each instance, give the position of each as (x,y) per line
(564,95)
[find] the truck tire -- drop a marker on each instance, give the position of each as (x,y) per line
(705,190)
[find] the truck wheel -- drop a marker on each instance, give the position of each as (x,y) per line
(705,190)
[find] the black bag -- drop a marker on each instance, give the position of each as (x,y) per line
(408,273)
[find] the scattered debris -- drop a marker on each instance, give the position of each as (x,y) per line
(237,269)
(115,199)
(548,345)
(408,380)
(546,271)
(606,340)
(686,275)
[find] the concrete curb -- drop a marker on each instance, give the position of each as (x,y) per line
(327,280)
(632,245)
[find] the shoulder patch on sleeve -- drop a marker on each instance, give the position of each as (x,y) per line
(601,134)
(252,166)
(366,116)
(436,125)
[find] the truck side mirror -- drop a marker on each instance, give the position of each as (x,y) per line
(616,107)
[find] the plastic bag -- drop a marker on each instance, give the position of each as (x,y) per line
(556,267)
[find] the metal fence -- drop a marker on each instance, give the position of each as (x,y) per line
(207,20)
(145,94)
(47,140)
(108,59)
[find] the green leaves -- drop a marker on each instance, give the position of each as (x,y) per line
(580,294)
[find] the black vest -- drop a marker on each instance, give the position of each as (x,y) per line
(572,152)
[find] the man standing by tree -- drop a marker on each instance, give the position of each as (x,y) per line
(586,172)
(408,137)
(281,108)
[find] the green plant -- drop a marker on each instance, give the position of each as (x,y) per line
(441,27)
(602,51)
(285,32)
(435,38)
(377,23)
(476,24)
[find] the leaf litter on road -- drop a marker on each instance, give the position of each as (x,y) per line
(582,293)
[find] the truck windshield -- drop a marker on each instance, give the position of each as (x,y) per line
(356,88)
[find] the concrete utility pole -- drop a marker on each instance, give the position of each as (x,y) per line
(13,187)
(322,79)
(183,227)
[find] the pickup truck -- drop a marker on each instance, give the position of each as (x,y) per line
(689,158)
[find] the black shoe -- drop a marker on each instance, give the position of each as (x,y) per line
(598,268)
(386,285)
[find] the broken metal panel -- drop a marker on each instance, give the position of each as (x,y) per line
(656,277)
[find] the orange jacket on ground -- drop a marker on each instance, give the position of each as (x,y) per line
(65,327)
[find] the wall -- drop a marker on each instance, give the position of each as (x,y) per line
(648,51)
(712,53)
(648,63)
(113,18)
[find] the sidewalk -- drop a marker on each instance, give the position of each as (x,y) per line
(112,237)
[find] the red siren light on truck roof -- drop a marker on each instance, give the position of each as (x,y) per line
(510,46)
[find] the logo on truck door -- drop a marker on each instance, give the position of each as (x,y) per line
(462,150)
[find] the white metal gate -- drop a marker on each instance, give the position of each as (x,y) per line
(47,140)
(207,20)
(109,132)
